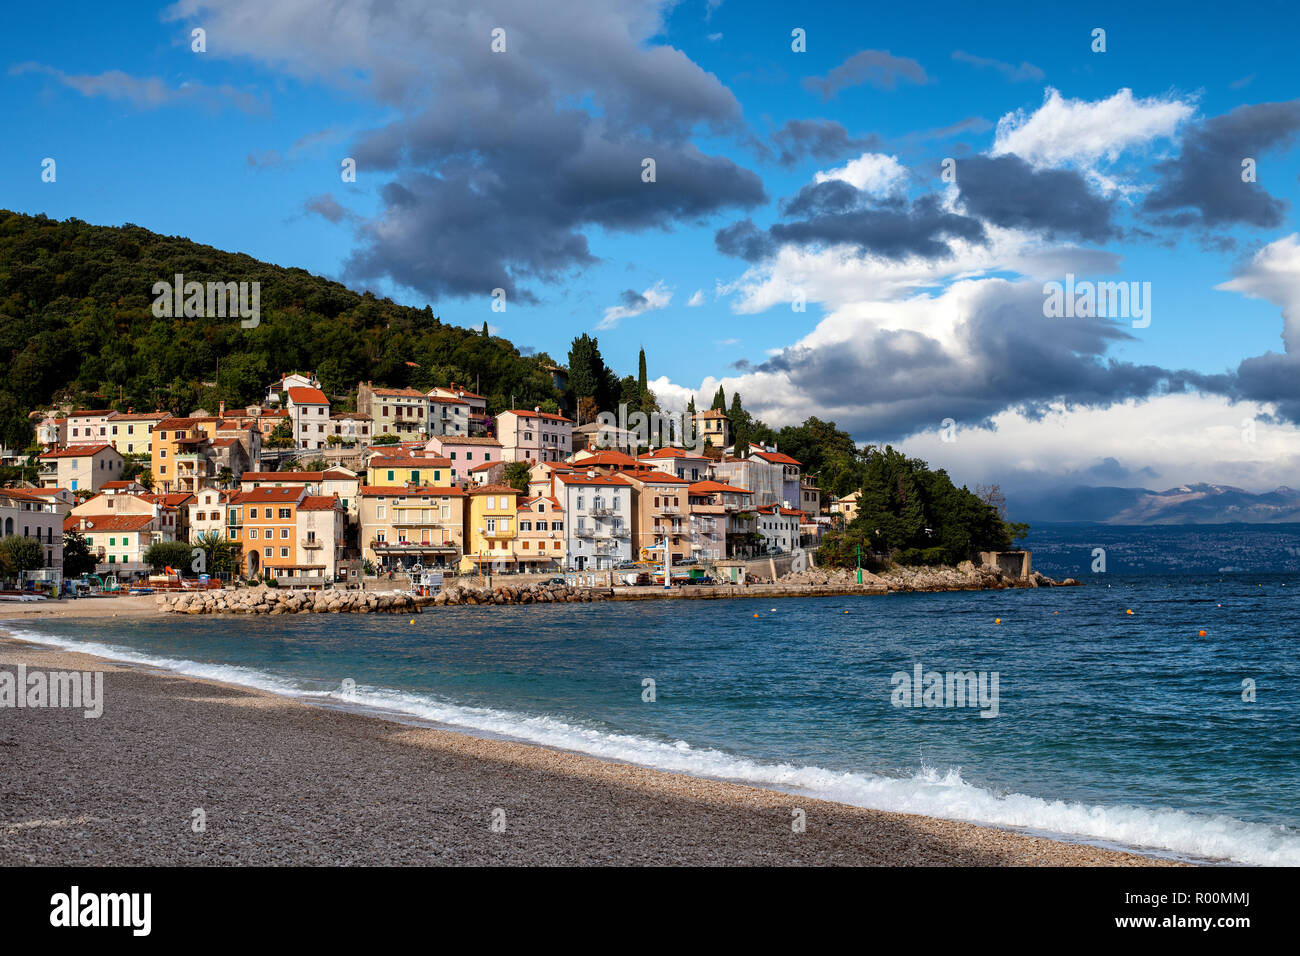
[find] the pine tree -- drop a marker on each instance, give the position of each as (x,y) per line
(720,400)
(642,387)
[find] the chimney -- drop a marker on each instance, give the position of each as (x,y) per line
(221,412)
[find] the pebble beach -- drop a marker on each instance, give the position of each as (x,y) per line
(279,781)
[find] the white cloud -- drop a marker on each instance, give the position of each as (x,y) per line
(1274,275)
(1086,133)
(875,173)
(656,297)
(696,299)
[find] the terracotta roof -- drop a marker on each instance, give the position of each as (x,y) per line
(775,457)
(320,503)
(139,416)
(526,504)
(173,500)
(77,451)
(90,412)
(582,479)
(606,459)
(497,488)
(119,484)
(653,476)
(667,453)
(307,396)
(711,413)
(108,522)
(709,487)
(353,415)
(419,490)
(774,509)
(488,464)
(446,400)
(260,495)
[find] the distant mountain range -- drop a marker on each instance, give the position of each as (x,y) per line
(1186,504)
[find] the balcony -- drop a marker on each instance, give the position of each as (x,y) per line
(603,511)
(311,544)
(585,532)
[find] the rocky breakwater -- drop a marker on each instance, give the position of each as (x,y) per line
(526,594)
(966,576)
(262,600)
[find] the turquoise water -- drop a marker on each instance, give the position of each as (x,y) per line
(1118,729)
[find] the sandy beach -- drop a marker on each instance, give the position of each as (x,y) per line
(279,781)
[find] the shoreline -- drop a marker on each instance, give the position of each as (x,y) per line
(283,781)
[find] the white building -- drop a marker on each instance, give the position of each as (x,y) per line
(534,436)
(309,411)
(598,520)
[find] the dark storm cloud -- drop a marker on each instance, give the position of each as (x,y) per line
(1203,186)
(819,139)
(498,165)
(1007,356)
(744,240)
(879,68)
(1008,192)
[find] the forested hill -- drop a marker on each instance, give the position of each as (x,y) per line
(76,324)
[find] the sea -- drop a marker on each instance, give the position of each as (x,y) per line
(1154,708)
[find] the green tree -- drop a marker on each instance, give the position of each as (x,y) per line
(220,555)
(20,553)
(77,557)
(282,435)
(174,554)
(517,474)
(719,400)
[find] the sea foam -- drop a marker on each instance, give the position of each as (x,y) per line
(930,792)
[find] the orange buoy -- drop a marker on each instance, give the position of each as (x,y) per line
(997,620)
(1200,634)
(1129,611)
(755,615)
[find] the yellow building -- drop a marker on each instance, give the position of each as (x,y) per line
(131,432)
(395,472)
(491,527)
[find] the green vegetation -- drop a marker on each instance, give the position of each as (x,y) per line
(76,325)
(77,559)
(517,474)
(172,554)
(220,555)
(915,515)
(20,553)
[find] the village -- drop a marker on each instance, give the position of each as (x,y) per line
(410,488)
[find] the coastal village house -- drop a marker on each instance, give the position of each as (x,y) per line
(534,436)
(491,526)
(322,529)
(846,506)
(539,543)
(34,516)
(464,453)
(395,411)
(736,517)
(402,526)
(275,392)
(170,511)
(598,519)
(309,411)
(778,527)
(661,512)
(447,416)
(476,405)
(131,432)
(81,467)
(714,428)
(332,482)
(87,426)
(350,428)
(387,472)
(679,462)
(118,541)
(264,522)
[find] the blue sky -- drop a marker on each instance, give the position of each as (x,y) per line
(240,146)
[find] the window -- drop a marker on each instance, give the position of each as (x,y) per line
(268,551)
(252,533)
(284,513)
(392,476)
(284,552)
(284,533)
(415,477)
